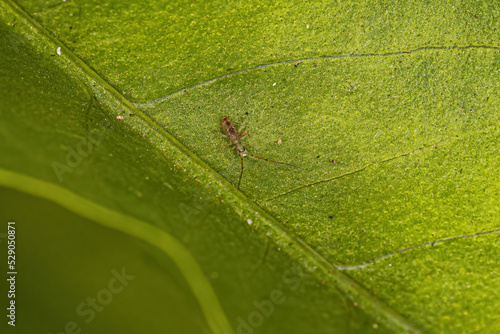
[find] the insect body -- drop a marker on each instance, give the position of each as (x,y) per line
(231,132)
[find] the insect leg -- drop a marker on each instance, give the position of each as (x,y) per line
(225,146)
(242,126)
(241,172)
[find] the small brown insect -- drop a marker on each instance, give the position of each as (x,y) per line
(232,134)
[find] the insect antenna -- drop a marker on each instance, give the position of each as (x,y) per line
(276,162)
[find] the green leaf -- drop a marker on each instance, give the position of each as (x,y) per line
(110,110)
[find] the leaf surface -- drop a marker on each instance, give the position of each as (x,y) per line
(389,110)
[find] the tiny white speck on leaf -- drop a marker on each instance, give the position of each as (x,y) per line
(59,51)
(119,117)
(307,26)
(249,221)
(274,84)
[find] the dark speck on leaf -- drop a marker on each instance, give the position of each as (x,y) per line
(317,157)
(330,217)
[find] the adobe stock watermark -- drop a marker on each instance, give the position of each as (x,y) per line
(265,308)
(15,40)
(75,155)
(92,305)
(200,207)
